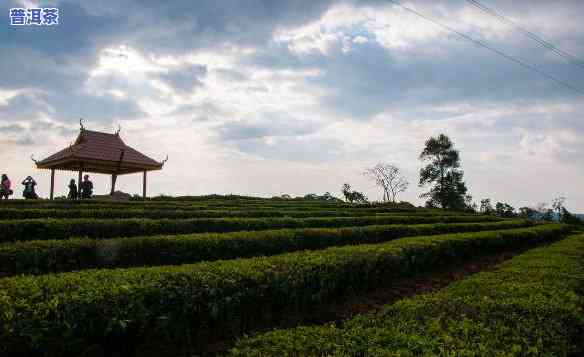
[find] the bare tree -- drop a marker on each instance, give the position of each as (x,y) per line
(389,178)
(558,204)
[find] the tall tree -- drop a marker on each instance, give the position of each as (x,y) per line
(557,207)
(444,173)
(346,190)
(389,178)
(545,213)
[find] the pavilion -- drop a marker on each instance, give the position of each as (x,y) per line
(101,153)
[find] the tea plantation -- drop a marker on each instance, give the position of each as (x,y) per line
(246,277)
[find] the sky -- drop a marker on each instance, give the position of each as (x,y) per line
(272,97)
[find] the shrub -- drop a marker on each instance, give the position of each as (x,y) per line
(38,257)
(531,305)
(182,213)
(42,229)
(135,311)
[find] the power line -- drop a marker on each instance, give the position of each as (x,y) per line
(546,44)
(491,48)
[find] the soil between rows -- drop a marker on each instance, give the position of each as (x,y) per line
(373,300)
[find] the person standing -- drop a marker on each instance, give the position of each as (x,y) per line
(73,194)
(5,189)
(29,193)
(86,188)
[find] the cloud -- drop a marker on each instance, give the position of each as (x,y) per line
(268,125)
(23,107)
(279,136)
(291,148)
(201,112)
(324,87)
(12,128)
(35,132)
(184,79)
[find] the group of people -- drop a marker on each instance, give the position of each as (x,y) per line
(6,188)
(85,190)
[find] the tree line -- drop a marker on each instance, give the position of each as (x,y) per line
(441,174)
(443,177)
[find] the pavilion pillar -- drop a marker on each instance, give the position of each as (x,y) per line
(144,184)
(79,184)
(114,178)
(52,194)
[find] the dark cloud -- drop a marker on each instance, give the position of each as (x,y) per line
(35,132)
(370,78)
(179,26)
(57,60)
(23,107)
(293,148)
(266,125)
(231,75)
(185,79)
(60,56)
(279,136)
(104,108)
(25,141)
(202,112)
(12,129)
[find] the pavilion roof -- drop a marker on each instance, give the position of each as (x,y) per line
(99,152)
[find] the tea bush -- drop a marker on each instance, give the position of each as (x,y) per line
(41,229)
(136,310)
(38,257)
(532,305)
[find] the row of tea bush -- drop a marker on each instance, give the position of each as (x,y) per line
(40,257)
(42,229)
(136,310)
(532,305)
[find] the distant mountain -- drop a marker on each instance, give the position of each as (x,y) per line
(580,215)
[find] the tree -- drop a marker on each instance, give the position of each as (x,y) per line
(326,197)
(389,178)
(562,214)
(527,213)
(544,213)
(443,171)
(329,197)
(359,197)
(569,218)
(557,212)
(352,196)
(346,190)
(486,207)
(558,207)
(470,205)
(503,209)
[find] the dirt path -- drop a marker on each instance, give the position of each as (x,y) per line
(422,283)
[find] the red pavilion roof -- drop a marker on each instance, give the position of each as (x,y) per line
(99,152)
